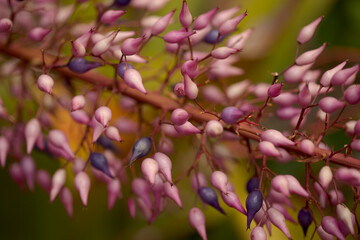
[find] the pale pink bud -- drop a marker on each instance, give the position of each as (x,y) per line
(131,207)
(190,68)
(230,25)
(295,73)
(330,104)
(345,215)
(67,200)
(322,194)
(190,88)
(276,137)
(80,116)
(348,175)
(131,45)
(324,235)
(197,220)
(309,56)
(350,127)
(274,90)
(43,179)
(16,173)
(283,211)
(214,128)
(238,41)
(232,200)
(98,129)
(84,38)
(77,49)
(82,185)
(179,89)
(5,25)
(114,192)
(285,156)
(342,76)
(307,146)
(308,31)
(166,146)
(278,220)
(150,168)
(258,233)
(29,169)
(268,149)
(187,129)
(179,116)
(57,182)
(336,198)
(169,130)
(38,34)
(165,165)
(101,46)
(223,16)
(162,23)
(145,209)
(213,94)
(77,102)
(177,36)
(237,89)
(295,187)
(223,52)
(103,115)
(352,94)
(133,79)
(116,52)
(204,19)
(113,134)
(328,75)
(223,71)
(198,181)
(141,188)
(78,165)
(285,99)
(185,15)
(59,140)
(4,149)
(219,181)
(275,196)
(110,16)
(325,176)
(45,83)
(304,97)
(330,225)
(280,184)
(172,192)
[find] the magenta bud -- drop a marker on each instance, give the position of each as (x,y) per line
(133,79)
(98,129)
(45,83)
(80,116)
(348,175)
(325,176)
(330,225)
(268,149)
(295,187)
(38,34)
(190,88)
(352,94)
(185,15)
(179,116)
(67,200)
(276,137)
(113,134)
(16,173)
(357,127)
(170,130)
(214,128)
(258,233)
(197,220)
(114,192)
(84,38)
(309,56)
(179,89)
(103,115)
(223,16)
(161,24)
(223,71)
(77,102)
(304,97)
(29,170)
(110,16)
(57,182)
(77,49)
(5,25)
(328,75)
(190,68)
(187,129)
(43,179)
(60,141)
(345,215)
(278,219)
(219,181)
(166,146)
(230,25)
(308,31)
(223,52)
(355,145)
(204,19)
(324,235)
(177,36)
(274,90)
(82,185)
(150,168)
(198,181)
(342,76)
(322,194)
(173,193)
(280,184)
(288,113)
(4,149)
(141,189)
(295,73)
(131,207)
(285,99)
(78,165)
(213,94)
(131,46)
(232,200)
(336,198)
(330,104)
(165,165)
(285,156)
(231,115)
(283,211)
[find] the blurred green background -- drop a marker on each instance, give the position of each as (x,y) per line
(26,215)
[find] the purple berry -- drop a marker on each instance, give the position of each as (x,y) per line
(305,219)
(231,115)
(141,148)
(252,184)
(99,161)
(122,3)
(121,68)
(81,65)
(253,205)
(107,144)
(212,36)
(209,196)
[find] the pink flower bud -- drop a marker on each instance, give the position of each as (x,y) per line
(223,16)
(285,156)
(187,129)
(324,235)
(352,94)
(232,200)
(4,149)
(285,99)
(114,192)
(131,207)
(219,181)
(204,19)
(325,176)
(268,149)
(345,215)
(330,225)
(5,25)
(322,194)
(223,71)
(190,88)
(67,200)
(141,189)
(280,184)
(82,185)
(277,197)
(342,76)
(179,116)
(304,97)
(179,89)
(348,175)
(238,41)
(190,68)
(57,182)
(355,145)
(59,140)
(150,168)
(177,36)
(38,34)
(295,73)
(29,169)
(131,46)
(84,38)
(43,179)
(45,83)
(197,220)
(307,146)
(213,94)
(172,192)
(77,49)
(230,25)
(162,23)
(258,233)
(357,127)
(198,181)
(283,211)
(185,15)
(113,134)
(237,89)
(307,32)
(98,129)
(133,79)
(77,102)
(80,116)
(328,75)
(101,46)
(165,165)
(78,165)
(110,16)
(276,137)
(103,115)
(295,187)
(223,52)
(336,198)
(278,220)
(330,104)
(309,56)
(166,146)
(274,90)
(16,173)
(214,128)
(350,127)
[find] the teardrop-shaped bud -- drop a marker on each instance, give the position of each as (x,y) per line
(141,188)
(268,149)
(59,140)
(101,46)
(308,31)
(330,104)
(110,16)
(173,193)
(57,182)
(67,200)
(238,41)
(330,225)
(213,94)
(131,46)
(162,23)
(5,25)
(305,219)
(185,15)
(343,75)
(276,138)
(345,215)
(223,52)
(307,146)
(204,19)
(80,116)
(230,25)
(190,68)
(38,34)
(114,192)
(336,197)
(131,207)
(223,16)
(190,88)
(253,205)
(84,38)
(177,36)
(122,67)
(295,73)
(231,115)
(214,128)
(140,149)
(283,211)
(166,146)
(165,165)
(77,102)
(98,129)
(16,173)
(29,170)
(209,196)
(45,83)
(280,184)
(133,79)
(219,181)
(187,129)
(197,220)
(258,233)
(4,149)
(304,97)
(352,94)
(82,185)
(179,89)
(103,115)
(355,145)
(295,187)
(325,176)
(232,200)
(324,235)
(99,161)
(43,179)
(113,134)
(179,116)
(274,90)
(198,181)
(309,56)
(150,168)
(252,184)
(348,175)
(278,219)
(77,49)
